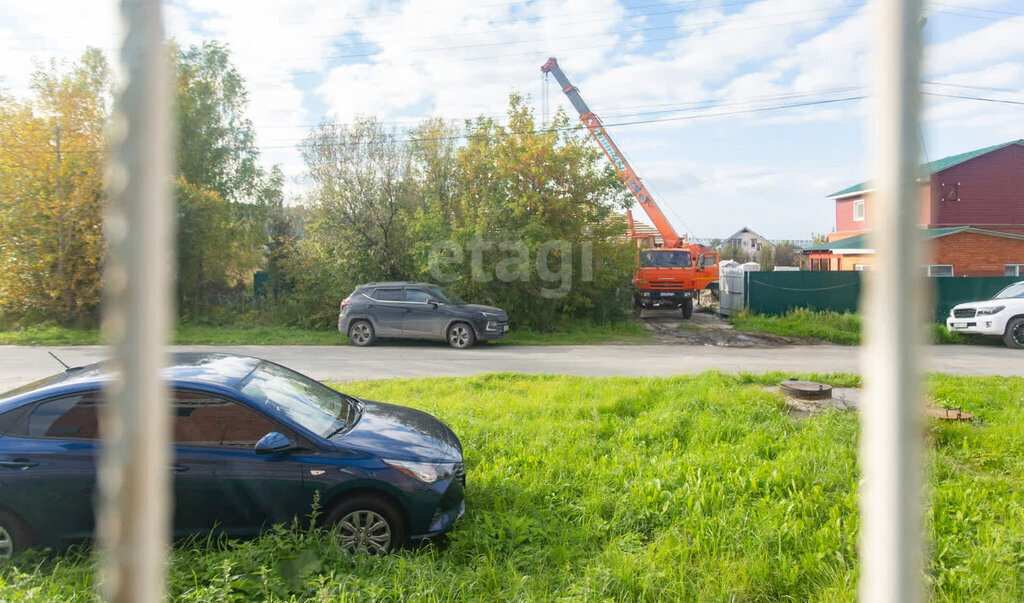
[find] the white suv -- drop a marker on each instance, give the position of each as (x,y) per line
(1001,315)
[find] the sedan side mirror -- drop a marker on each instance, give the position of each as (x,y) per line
(273,442)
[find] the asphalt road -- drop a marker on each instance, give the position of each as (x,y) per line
(22,364)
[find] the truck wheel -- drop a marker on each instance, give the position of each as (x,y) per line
(687,308)
(1014,335)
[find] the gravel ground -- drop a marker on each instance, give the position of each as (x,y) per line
(708,328)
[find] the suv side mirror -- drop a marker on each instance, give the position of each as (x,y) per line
(273,442)
(701,261)
(436,303)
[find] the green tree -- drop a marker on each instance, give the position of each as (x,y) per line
(220,213)
(786,254)
(216,141)
(766,257)
(363,191)
(535,208)
(52,193)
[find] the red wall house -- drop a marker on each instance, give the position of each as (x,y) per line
(982,189)
(986,191)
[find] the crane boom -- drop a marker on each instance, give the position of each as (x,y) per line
(625,172)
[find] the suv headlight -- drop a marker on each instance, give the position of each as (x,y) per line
(427,473)
(990,310)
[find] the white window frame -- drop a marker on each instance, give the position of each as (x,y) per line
(930,270)
(1013,269)
(860,208)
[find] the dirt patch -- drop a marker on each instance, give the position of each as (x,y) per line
(708,328)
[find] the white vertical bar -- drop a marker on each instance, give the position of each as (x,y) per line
(135,470)
(894,298)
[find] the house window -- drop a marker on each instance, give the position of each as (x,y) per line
(939,270)
(858,210)
(1014,270)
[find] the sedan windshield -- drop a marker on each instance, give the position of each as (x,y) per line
(665,259)
(1014,290)
(309,403)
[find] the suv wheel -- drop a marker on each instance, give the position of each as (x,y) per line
(361,333)
(1014,335)
(461,336)
(367,524)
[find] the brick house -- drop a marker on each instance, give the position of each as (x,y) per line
(971,207)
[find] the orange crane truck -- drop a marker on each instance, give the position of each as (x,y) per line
(671,275)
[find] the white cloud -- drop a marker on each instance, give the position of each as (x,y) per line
(995,42)
(399,60)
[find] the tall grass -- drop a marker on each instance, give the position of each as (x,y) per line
(835,327)
(684,489)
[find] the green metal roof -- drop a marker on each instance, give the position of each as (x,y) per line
(861,241)
(930,168)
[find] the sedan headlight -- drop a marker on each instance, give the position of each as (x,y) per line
(990,310)
(427,473)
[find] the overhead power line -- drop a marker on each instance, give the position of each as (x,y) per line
(606,124)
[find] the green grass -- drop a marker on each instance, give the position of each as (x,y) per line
(576,333)
(834,327)
(581,333)
(49,335)
(829,326)
(683,489)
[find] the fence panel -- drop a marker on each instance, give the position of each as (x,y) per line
(775,293)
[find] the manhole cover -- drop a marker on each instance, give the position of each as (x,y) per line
(806,390)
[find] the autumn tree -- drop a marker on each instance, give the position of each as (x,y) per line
(52,193)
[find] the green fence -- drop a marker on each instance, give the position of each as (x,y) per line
(775,293)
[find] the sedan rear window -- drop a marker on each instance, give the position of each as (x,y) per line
(70,417)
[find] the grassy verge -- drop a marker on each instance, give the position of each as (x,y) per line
(834,327)
(189,334)
(581,333)
(682,489)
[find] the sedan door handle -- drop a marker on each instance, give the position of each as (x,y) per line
(179,468)
(18,464)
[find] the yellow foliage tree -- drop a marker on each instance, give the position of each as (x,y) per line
(52,194)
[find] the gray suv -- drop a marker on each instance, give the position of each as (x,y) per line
(417,311)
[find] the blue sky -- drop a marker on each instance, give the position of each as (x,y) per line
(706,79)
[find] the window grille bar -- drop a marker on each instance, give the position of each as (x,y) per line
(135,464)
(894,298)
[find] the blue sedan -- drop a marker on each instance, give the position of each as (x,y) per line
(254,443)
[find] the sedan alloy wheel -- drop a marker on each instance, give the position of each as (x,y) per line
(364,531)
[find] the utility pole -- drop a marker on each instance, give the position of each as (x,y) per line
(58,198)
